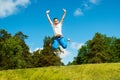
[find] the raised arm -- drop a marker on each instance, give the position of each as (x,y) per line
(64,10)
(47,14)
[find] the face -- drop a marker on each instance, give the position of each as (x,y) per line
(56,21)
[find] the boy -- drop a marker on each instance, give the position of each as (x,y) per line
(57,28)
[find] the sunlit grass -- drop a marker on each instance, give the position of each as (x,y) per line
(108,71)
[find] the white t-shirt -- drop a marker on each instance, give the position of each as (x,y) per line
(57,29)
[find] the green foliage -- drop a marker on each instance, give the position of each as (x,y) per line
(100,49)
(26,55)
(14,53)
(115,48)
(4,35)
(46,56)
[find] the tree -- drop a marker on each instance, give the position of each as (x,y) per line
(82,55)
(115,48)
(100,49)
(46,57)
(36,58)
(14,53)
(11,56)
(26,55)
(4,35)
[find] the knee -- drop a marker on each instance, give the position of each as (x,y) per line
(63,43)
(64,46)
(54,45)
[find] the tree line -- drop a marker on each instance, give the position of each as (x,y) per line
(15,53)
(101,49)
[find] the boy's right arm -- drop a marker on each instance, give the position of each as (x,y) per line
(47,14)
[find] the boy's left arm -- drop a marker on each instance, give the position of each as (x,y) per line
(64,10)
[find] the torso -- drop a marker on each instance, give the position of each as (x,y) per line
(57,29)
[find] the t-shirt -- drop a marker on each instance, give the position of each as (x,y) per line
(57,29)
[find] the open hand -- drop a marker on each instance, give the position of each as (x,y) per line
(47,12)
(64,10)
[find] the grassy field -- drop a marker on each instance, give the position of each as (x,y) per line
(108,71)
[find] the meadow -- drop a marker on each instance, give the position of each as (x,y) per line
(106,71)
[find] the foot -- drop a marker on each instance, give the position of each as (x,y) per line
(50,44)
(57,51)
(61,49)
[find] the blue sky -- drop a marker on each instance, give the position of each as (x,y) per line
(83,19)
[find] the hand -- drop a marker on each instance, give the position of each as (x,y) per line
(47,12)
(64,10)
(68,39)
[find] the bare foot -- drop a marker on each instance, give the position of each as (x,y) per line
(50,44)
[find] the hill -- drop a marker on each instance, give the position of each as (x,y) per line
(106,71)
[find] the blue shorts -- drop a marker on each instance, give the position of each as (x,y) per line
(59,41)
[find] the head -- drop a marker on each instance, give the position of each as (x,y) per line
(55,21)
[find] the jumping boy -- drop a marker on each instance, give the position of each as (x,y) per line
(57,28)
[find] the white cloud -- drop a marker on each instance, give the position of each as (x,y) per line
(30,51)
(36,49)
(86,6)
(78,12)
(75,45)
(9,7)
(94,1)
(65,54)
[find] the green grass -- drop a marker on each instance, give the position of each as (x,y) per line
(107,71)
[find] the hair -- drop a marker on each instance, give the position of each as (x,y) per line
(54,18)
